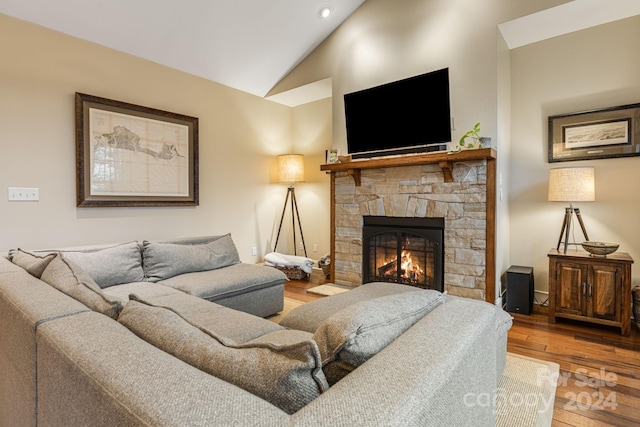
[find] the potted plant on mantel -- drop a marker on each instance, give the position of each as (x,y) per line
(473,134)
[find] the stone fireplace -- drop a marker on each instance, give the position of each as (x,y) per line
(458,188)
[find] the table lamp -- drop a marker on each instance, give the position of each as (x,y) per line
(571,185)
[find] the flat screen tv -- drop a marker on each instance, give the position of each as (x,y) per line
(407,116)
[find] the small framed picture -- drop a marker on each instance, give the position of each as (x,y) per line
(595,134)
(332,155)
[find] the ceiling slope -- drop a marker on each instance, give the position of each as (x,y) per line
(248,45)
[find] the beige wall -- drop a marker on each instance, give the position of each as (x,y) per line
(312,129)
(240,135)
(503,146)
(311,136)
(589,69)
(383,42)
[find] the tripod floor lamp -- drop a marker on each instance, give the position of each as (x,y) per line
(291,170)
(571,185)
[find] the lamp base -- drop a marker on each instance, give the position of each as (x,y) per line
(291,196)
(566,226)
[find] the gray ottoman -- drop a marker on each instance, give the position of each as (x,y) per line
(309,316)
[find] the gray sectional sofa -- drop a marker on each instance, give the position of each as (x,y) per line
(76,348)
(207,267)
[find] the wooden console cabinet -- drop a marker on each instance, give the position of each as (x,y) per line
(590,288)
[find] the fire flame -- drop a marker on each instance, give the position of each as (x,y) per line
(410,270)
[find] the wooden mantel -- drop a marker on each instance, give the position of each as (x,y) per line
(444,160)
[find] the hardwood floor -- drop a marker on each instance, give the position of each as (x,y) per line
(599,381)
(297,289)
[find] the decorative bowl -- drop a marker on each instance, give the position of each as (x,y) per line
(600,248)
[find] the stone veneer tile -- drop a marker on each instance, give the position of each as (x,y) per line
(432,177)
(348,209)
(459,281)
(402,172)
(479,244)
(465,173)
(387,187)
(348,232)
(396,204)
(410,188)
(373,175)
(469,257)
(375,207)
(367,189)
(466,270)
(465,292)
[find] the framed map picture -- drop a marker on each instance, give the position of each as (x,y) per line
(128,155)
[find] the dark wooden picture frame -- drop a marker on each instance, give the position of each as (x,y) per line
(596,134)
(129,155)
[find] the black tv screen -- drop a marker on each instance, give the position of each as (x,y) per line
(407,116)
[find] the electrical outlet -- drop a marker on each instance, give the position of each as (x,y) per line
(22,194)
(254,251)
(315,247)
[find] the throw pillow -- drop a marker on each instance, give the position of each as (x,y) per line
(33,263)
(163,260)
(72,280)
(356,333)
(233,325)
(110,266)
(282,367)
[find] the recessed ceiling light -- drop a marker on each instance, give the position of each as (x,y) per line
(324,12)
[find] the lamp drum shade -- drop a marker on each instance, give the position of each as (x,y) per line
(572,185)
(291,168)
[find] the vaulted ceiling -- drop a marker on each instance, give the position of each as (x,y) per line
(251,45)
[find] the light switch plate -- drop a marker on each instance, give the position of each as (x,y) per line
(23,194)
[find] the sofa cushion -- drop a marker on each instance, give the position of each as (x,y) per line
(218,320)
(163,260)
(282,367)
(504,321)
(308,317)
(107,265)
(356,333)
(69,278)
(33,263)
(143,289)
(227,282)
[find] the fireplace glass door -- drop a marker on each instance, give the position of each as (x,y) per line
(403,255)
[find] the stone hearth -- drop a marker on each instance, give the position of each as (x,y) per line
(460,188)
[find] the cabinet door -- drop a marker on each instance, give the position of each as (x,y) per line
(605,288)
(571,288)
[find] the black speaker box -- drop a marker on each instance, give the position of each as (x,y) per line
(519,292)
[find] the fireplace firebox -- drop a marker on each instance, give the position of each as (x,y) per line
(409,251)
